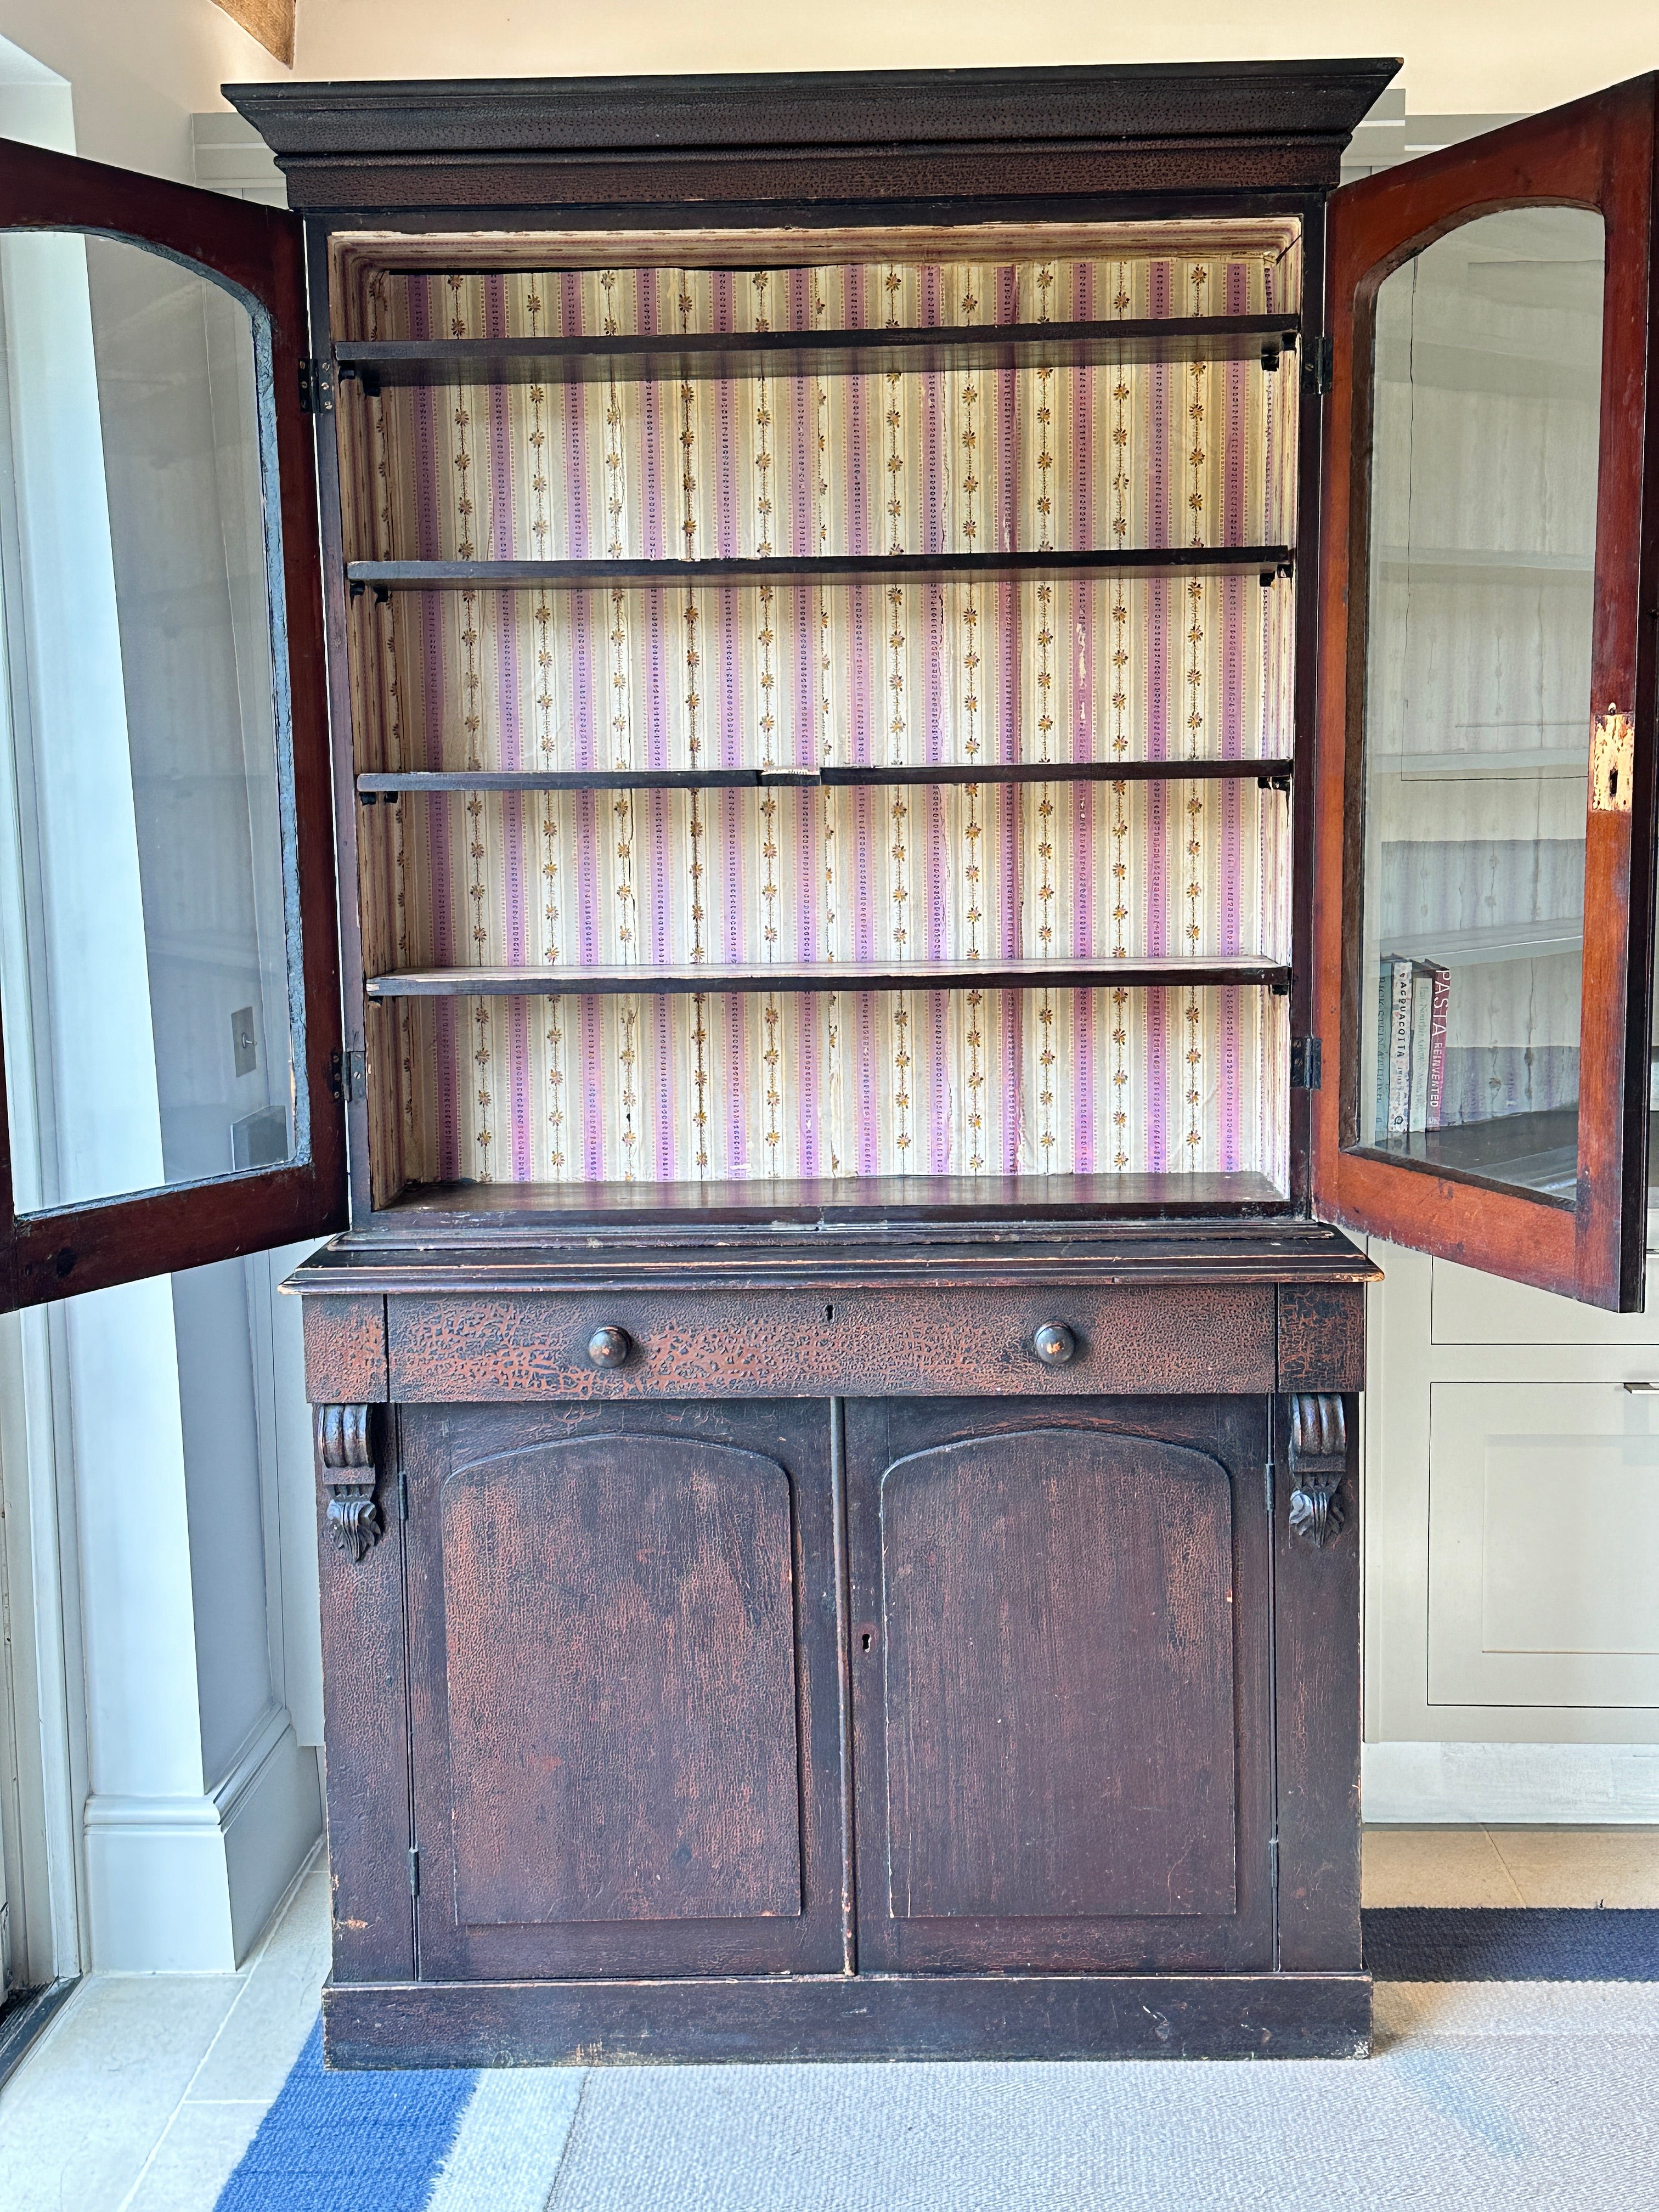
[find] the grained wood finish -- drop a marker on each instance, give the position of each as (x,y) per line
(636,1760)
(630,360)
(1321,1336)
(55,1253)
(1596,153)
(689,144)
(624,1690)
(1316,1613)
(1057,1679)
(1062,1741)
(366,1721)
(472,1244)
(580,2023)
(944,1343)
(685,977)
(345,1349)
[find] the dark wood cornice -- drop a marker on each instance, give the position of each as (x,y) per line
(843,136)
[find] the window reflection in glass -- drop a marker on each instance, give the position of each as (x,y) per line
(1480,582)
(143,911)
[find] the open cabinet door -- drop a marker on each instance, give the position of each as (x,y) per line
(1484,880)
(168,951)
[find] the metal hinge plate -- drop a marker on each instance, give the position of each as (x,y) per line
(347,1077)
(316,388)
(1307,1063)
(414,1872)
(1318,364)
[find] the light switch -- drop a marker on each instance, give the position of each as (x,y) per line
(245,1049)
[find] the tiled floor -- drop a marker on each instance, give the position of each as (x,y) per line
(146,2088)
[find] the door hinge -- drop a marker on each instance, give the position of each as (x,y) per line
(403,1495)
(414,1872)
(346,1077)
(1318,365)
(1307,1063)
(316,387)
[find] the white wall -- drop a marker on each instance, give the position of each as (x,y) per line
(137,70)
(1463,58)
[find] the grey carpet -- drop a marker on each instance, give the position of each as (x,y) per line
(1479,2101)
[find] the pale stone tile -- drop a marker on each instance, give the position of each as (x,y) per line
(83,2111)
(264,2034)
(1581,1866)
(1434,1866)
(196,2157)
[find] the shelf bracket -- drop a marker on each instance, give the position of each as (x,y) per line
(1318,1459)
(347,1472)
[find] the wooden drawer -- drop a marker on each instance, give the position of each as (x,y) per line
(943,1343)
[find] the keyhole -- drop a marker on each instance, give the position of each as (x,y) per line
(865,1639)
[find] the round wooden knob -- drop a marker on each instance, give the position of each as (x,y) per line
(609,1347)
(1055,1345)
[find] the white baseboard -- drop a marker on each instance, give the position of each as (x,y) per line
(272,1813)
(1510,1784)
(184,1885)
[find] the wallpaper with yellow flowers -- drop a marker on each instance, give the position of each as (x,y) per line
(724,1086)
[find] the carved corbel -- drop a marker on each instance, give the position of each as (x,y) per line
(1318,1459)
(345,1466)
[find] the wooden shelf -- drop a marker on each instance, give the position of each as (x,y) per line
(374,362)
(391,784)
(1264,561)
(858,1199)
(710,976)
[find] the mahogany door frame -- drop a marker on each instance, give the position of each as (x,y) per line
(258,251)
(1596,153)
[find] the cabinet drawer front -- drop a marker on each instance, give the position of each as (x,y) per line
(946,1343)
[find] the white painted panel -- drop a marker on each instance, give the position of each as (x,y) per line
(1543,1545)
(1470,1307)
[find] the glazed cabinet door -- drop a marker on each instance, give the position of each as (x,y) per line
(1489,623)
(624,1688)
(169,965)
(1061,1684)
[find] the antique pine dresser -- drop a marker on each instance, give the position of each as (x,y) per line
(966,708)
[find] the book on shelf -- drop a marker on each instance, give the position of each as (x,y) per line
(1412,1002)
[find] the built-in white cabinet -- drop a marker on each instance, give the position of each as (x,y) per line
(1512,1551)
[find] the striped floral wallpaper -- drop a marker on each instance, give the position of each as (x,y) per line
(729,1087)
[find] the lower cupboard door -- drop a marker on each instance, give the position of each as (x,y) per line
(623,1682)
(1061,1685)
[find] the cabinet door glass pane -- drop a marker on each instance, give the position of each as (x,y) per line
(1484,464)
(151,1035)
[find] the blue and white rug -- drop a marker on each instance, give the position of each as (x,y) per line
(1516,2054)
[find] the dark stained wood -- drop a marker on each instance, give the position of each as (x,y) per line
(1268,561)
(626,1725)
(88,1247)
(1321,1336)
(389,783)
(1061,1634)
(620,1672)
(428,1249)
(944,1343)
(1057,1684)
(1305,788)
(366,1721)
(1316,1688)
(1007,2016)
(833,135)
(874,352)
(698,976)
(1594,153)
(345,1349)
